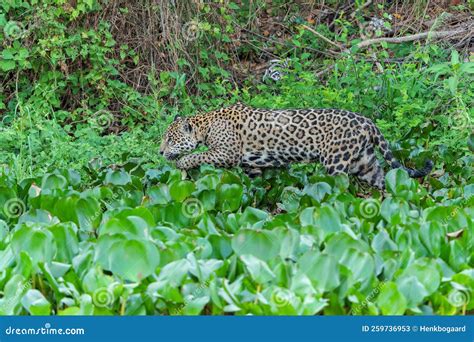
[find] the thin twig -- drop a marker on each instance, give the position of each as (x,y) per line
(327,40)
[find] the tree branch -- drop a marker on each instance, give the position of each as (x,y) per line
(418,36)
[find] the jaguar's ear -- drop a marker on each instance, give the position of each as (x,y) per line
(187,128)
(177,117)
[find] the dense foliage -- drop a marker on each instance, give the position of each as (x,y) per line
(93,221)
(149,242)
(66,86)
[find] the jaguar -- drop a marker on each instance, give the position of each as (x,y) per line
(255,139)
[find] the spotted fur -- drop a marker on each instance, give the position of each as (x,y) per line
(343,141)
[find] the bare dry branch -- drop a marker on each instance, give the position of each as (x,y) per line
(418,36)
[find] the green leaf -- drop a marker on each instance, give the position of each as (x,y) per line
(87,211)
(399,183)
(317,191)
(252,216)
(390,300)
(35,303)
(426,272)
(159,194)
(7,65)
(180,190)
(13,291)
(432,235)
(229,196)
(117,177)
(259,243)
(175,272)
(194,306)
(328,219)
(53,182)
(133,260)
(66,241)
(413,290)
(37,242)
(339,243)
(258,269)
(134,223)
(361,265)
(322,269)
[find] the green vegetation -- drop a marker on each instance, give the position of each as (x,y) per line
(93,221)
(148,242)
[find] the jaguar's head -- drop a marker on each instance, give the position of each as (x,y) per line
(180,138)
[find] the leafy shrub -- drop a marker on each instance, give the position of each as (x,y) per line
(146,242)
(92,221)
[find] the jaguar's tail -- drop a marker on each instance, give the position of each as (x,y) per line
(379,140)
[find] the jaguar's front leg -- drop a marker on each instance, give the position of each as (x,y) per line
(216,157)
